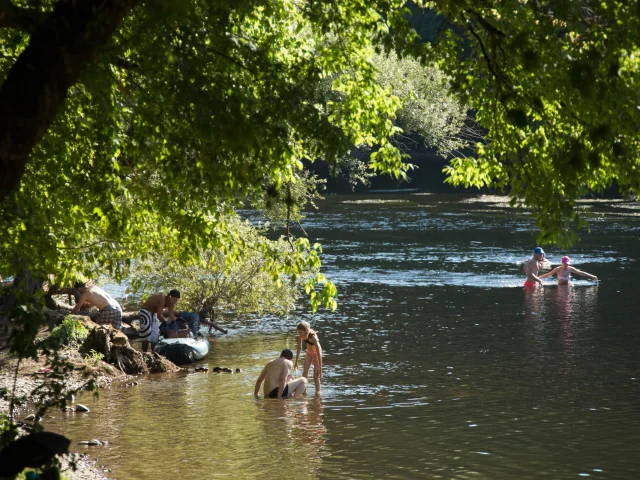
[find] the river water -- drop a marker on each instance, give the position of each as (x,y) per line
(438,364)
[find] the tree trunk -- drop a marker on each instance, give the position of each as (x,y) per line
(116,349)
(37,84)
(24,284)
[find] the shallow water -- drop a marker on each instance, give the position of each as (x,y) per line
(438,364)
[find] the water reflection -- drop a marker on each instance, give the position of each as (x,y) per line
(296,431)
(563,312)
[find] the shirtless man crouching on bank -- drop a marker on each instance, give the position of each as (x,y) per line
(151,312)
(277,381)
(110,309)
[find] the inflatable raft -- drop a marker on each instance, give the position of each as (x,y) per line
(183,350)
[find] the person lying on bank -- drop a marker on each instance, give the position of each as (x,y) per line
(278,383)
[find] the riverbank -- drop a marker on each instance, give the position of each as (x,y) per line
(20,381)
(31,373)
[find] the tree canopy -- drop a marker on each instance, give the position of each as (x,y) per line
(127,127)
(222,280)
(176,118)
(556,86)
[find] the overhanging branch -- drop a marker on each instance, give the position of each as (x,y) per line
(24,19)
(37,84)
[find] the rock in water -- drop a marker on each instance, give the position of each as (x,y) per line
(82,408)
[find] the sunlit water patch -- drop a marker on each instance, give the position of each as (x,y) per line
(438,364)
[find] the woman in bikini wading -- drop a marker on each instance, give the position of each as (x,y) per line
(564,272)
(314,353)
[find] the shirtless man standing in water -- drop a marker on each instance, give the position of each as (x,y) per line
(151,312)
(532,267)
(277,381)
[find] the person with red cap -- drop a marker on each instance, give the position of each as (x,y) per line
(564,272)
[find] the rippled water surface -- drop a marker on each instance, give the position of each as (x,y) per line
(438,364)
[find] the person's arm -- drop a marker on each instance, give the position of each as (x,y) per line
(256,391)
(159,310)
(172,315)
(549,274)
(295,364)
(78,306)
(584,274)
(319,357)
(283,378)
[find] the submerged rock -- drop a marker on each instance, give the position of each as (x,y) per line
(82,408)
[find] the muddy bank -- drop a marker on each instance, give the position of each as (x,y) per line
(21,379)
(31,373)
(29,377)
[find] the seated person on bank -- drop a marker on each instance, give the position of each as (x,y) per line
(277,381)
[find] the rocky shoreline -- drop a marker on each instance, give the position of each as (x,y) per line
(30,375)
(86,469)
(110,356)
(28,378)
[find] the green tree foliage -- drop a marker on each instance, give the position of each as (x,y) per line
(182,115)
(556,86)
(428,107)
(70,333)
(188,106)
(285,204)
(234,277)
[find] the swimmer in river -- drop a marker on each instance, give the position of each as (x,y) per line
(532,267)
(564,272)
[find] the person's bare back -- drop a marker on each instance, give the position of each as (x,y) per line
(97,297)
(154,302)
(158,302)
(277,381)
(276,373)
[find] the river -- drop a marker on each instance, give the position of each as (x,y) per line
(438,364)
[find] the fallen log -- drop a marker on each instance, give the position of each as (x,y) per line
(213,324)
(57,290)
